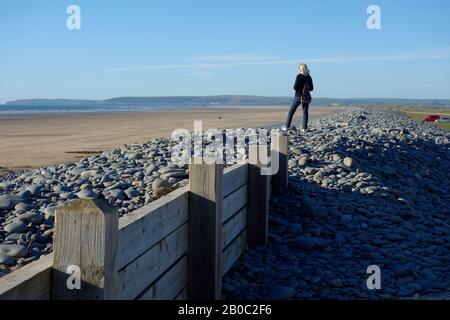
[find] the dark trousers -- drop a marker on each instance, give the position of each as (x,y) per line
(297,101)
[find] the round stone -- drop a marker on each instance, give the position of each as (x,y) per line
(22,206)
(132,193)
(76,171)
(348,162)
(6,260)
(158,183)
(32,217)
(34,189)
(346,218)
(50,212)
(296,150)
(117,193)
(5,186)
(134,156)
(302,161)
(174,174)
(15,227)
(151,168)
(88,173)
(66,195)
(161,191)
(58,189)
(87,194)
(13,250)
(292,163)
(6,204)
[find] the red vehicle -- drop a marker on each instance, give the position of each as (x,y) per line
(431,118)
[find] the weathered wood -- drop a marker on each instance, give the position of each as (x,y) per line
(170,284)
(233,251)
(85,236)
(212,219)
(31,282)
(234,226)
(234,177)
(136,276)
(234,202)
(280,149)
(205,228)
(146,226)
(270,178)
(258,201)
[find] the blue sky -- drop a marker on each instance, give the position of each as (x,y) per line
(178,47)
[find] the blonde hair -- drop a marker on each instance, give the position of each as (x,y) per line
(303,69)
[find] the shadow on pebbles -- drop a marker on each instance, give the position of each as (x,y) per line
(366,187)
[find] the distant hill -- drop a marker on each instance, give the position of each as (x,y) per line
(201,100)
(229,100)
(51,102)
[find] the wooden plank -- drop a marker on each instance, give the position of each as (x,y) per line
(136,276)
(258,202)
(280,149)
(143,228)
(31,282)
(86,237)
(234,177)
(234,226)
(170,284)
(205,228)
(270,178)
(233,251)
(234,202)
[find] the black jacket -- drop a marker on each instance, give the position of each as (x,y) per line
(300,83)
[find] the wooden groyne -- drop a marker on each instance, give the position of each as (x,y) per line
(177,247)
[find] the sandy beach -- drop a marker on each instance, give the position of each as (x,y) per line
(30,141)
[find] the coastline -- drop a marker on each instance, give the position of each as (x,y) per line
(66,114)
(29,141)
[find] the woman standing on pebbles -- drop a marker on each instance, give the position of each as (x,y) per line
(303,86)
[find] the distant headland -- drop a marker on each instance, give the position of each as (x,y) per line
(228,100)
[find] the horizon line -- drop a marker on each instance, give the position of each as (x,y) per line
(222,95)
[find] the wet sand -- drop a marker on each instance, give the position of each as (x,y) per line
(30,141)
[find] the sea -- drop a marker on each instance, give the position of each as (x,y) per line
(8,109)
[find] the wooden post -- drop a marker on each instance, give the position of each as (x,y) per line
(258,199)
(205,230)
(280,149)
(85,238)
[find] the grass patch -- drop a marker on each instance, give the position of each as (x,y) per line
(418,114)
(427,111)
